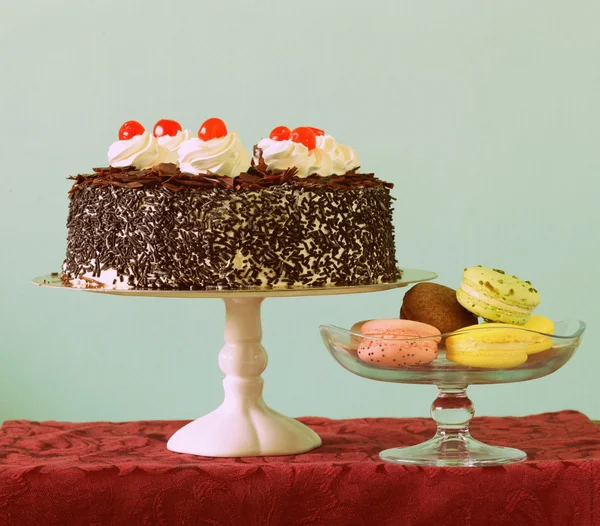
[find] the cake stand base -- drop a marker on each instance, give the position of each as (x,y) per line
(244,432)
(452,445)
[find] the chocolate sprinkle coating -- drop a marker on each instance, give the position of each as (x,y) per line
(232,236)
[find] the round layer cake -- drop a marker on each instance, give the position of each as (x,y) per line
(161,228)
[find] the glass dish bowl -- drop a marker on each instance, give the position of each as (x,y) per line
(452,444)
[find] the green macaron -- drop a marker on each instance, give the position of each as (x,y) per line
(497,296)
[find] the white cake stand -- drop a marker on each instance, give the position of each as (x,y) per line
(243,425)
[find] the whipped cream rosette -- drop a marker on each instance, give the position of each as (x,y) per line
(344,159)
(138,148)
(220,155)
(141,151)
(171,144)
(215,151)
(170,136)
(282,155)
(308,150)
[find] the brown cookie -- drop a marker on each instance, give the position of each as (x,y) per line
(436,305)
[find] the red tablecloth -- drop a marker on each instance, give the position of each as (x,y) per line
(122,474)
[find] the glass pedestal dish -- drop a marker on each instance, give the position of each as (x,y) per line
(452,410)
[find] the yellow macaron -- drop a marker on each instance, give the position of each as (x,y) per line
(495,345)
(539,324)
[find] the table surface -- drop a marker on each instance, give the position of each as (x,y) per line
(122,474)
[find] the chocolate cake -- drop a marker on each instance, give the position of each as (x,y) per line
(160,228)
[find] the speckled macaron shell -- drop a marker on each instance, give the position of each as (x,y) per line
(497,296)
(494,345)
(398,343)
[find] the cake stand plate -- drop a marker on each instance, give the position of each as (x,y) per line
(244,425)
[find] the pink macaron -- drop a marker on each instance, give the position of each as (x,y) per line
(403,348)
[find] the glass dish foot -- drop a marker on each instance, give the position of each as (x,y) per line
(453,451)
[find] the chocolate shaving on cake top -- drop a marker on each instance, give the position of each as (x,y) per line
(169,176)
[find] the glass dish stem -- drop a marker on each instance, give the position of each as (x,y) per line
(452,410)
(452,445)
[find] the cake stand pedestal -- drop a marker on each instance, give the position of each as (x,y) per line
(244,425)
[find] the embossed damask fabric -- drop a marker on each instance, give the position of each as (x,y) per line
(122,474)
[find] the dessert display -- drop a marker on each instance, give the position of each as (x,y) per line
(507,337)
(436,305)
(177,210)
(389,349)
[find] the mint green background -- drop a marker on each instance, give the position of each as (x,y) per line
(484,114)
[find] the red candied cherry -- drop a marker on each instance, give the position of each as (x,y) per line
(304,135)
(318,131)
(130,129)
(281,133)
(213,128)
(166,127)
